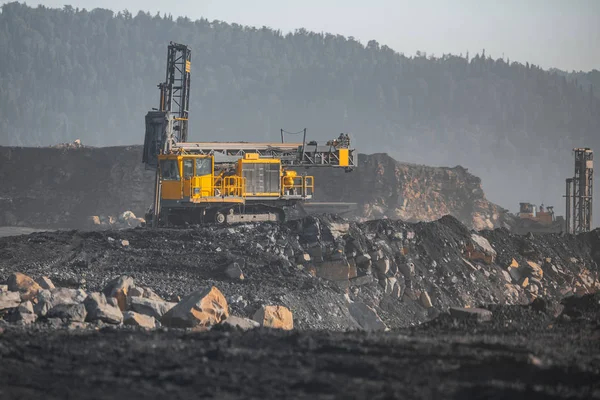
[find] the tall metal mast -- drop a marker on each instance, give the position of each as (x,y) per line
(579,192)
(175,91)
(583,190)
(168,125)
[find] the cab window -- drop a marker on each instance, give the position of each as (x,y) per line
(169,170)
(203,166)
(188,168)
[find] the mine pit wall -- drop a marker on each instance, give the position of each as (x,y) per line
(384,187)
(64,187)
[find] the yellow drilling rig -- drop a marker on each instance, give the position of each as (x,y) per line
(224,182)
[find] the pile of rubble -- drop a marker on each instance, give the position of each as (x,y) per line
(124,220)
(76,144)
(331,273)
(25,301)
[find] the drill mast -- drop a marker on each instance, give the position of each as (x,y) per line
(168,125)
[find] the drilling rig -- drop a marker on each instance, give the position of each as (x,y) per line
(225,182)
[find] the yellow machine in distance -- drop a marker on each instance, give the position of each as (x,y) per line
(251,182)
(194,189)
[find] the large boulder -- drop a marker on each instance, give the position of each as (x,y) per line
(366,317)
(153,308)
(150,294)
(68,312)
(25,314)
(201,308)
(99,310)
(241,323)
(9,300)
(45,283)
(278,317)
(118,288)
(141,291)
(135,292)
(27,287)
(46,299)
(479,249)
(334,270)
(132,318)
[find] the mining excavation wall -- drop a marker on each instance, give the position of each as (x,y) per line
(62,187)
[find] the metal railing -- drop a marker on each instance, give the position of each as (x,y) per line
(220,187)
(231,186)
(303,186)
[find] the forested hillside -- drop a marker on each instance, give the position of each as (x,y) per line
(588,81)
(68,74)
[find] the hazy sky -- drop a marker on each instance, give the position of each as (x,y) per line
(551,33)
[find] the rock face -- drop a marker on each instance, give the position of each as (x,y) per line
(201,308)
(67,194)
(384,187)
(278,317)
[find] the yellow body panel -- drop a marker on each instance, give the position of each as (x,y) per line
(191,178)
(171,190)
(188,184)
(343,155)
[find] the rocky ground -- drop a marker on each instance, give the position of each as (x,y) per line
(324,269)
(523,352)
(379,309)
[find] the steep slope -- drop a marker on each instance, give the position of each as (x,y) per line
(63,187)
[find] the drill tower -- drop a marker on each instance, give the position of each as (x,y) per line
(579,192)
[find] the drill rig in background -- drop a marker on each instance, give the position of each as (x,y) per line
(224,182)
